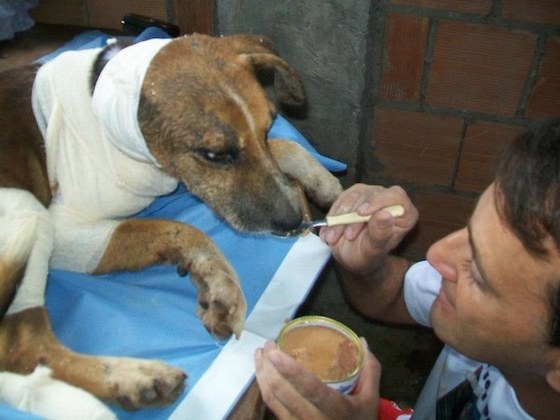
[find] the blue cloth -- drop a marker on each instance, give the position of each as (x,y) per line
(152,313)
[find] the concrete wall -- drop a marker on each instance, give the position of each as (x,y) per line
(326,41)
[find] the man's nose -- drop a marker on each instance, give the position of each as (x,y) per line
(448,253)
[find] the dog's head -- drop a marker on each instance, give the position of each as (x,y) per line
(204,116)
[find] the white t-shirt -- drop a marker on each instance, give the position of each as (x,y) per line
(458,387)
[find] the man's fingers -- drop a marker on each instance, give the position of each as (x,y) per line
(286,388)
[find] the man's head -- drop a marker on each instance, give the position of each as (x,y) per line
(528,193)
(501,274)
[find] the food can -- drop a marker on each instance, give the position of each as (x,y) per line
(326,347)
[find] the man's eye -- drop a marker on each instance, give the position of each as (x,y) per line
(476,276)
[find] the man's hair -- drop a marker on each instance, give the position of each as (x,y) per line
(528,188)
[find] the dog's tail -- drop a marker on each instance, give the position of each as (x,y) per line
(17,237)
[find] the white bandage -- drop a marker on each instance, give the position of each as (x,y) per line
(117,93)
(39,394)
(26,229)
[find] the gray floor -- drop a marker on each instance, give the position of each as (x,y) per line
(405,354)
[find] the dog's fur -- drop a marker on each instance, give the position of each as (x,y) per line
(199,135)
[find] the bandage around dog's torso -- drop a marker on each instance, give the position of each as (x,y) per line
(94,182)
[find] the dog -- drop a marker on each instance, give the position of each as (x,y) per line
(94,136)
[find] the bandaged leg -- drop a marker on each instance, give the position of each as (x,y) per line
(26,231)
(79,244)
(39,394)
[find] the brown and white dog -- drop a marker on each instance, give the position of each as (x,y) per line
(95,136)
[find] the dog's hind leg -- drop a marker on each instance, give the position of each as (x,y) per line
(13,258)
(26,232)
(26,340)
(26,337)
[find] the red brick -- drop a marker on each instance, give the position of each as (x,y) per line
(544,100)
(470,6)
(405,45)
(415,147)
(440,214)
(484,142)
(536,11)
(479,67)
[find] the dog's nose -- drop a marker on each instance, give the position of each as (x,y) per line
(287,224)
(293,213)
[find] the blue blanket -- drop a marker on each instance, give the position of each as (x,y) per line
(152,313)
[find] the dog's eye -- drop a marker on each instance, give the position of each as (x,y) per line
(219,157)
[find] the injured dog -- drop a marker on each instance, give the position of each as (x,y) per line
(93,137)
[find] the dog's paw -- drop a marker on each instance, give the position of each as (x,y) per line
(222,307)
(294,160)
(325,190)
(221,304)
(134,383)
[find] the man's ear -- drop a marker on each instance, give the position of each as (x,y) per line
(553,378)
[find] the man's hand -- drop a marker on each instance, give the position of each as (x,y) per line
(292,392)
(360,248)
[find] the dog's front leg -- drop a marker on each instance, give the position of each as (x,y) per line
(138,243)
(319,184)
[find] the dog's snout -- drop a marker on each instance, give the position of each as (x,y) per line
(287,224)
(291,207)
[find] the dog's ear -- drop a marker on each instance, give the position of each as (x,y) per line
(287,84)
(247,44)
(260,52)
(112,48)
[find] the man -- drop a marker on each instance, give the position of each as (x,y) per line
(490,291)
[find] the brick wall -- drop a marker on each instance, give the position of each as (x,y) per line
(453,81)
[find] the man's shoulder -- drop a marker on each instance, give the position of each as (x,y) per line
(421,287)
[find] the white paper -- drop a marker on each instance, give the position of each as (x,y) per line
(227,378)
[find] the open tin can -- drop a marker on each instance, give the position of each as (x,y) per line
(326,347)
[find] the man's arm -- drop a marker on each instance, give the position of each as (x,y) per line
(372,276)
